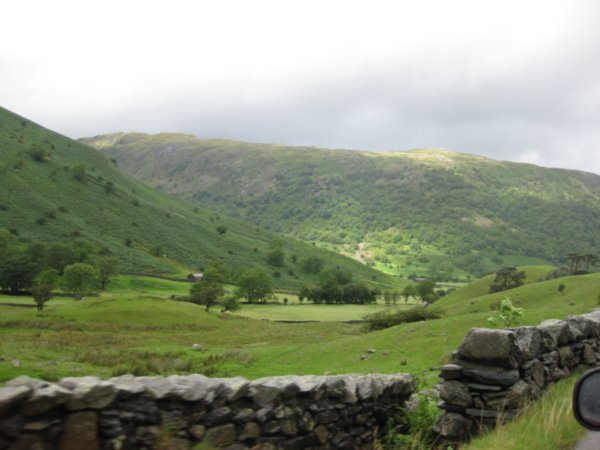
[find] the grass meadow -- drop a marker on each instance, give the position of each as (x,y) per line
(134,327)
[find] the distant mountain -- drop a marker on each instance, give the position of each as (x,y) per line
(54,189)
(419,211)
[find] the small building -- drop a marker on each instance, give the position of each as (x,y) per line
(192,277)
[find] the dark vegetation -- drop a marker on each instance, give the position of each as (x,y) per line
(386,318)
(38,269)
(438,214)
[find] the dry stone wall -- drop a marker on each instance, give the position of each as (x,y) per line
(495,372)
(126,412)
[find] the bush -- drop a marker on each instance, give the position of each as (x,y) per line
(39,154)
(386,318)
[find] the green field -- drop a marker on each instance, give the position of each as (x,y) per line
(135,327)
(310,312)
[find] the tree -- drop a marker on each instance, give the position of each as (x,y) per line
(106,266)
(254,285)
(507,278)
(216,271)
(207,293)
(358,293)
(44,284)
(17,273)
(561,288)
(79,278)
(276,257)
(425,290)
(312,264)
(58,256)
(304,293)
(230,304)
(409,291)
(221,230)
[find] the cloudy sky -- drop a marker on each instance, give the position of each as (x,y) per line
(517,80)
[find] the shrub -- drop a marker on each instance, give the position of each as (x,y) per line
(39,154)
(386,318)
(509,314)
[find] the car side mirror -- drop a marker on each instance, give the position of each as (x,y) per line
(586,400)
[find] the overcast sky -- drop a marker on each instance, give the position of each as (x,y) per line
(517,80)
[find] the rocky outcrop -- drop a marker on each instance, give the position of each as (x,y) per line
(495,372)
(126,412)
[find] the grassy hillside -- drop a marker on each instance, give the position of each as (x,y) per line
(54,189)
(403,212)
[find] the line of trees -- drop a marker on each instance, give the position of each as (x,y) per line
(39,269)
(586,259)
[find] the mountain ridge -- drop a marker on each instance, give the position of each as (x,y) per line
(433,205)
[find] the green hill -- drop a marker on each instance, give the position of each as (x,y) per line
(419,212)
(54,189)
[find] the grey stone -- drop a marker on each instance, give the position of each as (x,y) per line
(491,347)
(88,393)
(250,431)
(594,319)
(190,388)
(565,355)
(12,395)
(197,347)
(24,380)
(219,415)
(452,425)
(283,412)
(28,441)
(272,427)
(491,414)
(45,398)
(581,326)
(147,435)
(264,414)
(264,393)
(221,436)
(80,432)
(555,333)
(492,376)
(484,387)
(306,423)
(450,371)
(537,374)
(529,341)
(455,393)
(198,431)
(127,385)
(588,355)
(39,425)
(289,427)
(244,415)
(327,417)
(451,408)
(518,395)
(322,434)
